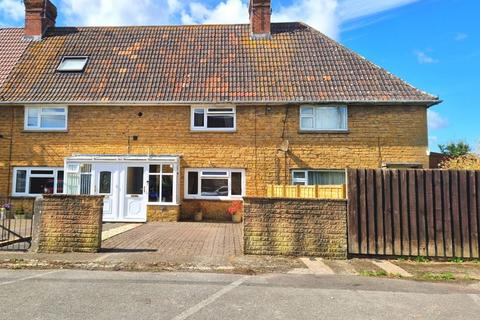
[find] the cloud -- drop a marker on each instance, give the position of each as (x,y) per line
(436,121)
(461,36)
(424,58)
(11,9)
(229,11)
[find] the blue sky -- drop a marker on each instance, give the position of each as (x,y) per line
(432,44)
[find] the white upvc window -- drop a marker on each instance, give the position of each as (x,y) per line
(219,118)
(318,177)
(53,118)
(162,181)
(73,64)
(214,184)
(35,181)
(323,118)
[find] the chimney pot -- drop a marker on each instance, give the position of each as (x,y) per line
(39,16)
(260,18)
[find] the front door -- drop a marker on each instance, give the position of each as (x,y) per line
(107,185)
(136,195)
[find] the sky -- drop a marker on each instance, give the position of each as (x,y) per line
(432,44)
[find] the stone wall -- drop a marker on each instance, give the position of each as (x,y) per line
(295,227)
(163,213)
(213,210)
(376,134)
(68,224)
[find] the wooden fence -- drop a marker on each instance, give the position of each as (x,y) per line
(434,213)
(307,192)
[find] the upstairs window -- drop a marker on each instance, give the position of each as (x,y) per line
(323,118)
(73,64)
(213,119)
(46,118)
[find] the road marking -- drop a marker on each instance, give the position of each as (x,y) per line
(189,312)
(317,266)
(116,231)
(29,277)
(389,267)
(475,298)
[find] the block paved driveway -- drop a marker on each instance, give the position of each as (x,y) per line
(177,242)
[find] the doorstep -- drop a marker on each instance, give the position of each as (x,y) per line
(112,231)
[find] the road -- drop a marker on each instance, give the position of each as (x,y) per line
(67,294)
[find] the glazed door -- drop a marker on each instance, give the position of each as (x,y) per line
(136,196)
(107,185)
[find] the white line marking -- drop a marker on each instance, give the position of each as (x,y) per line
(317,266)
(475,298)
(189,312)
(389,267)
(28,278)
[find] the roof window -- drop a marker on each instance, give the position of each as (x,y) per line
(73,64)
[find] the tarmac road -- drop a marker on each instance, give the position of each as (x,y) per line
(69,294)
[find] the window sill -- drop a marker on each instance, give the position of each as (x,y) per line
(324,131)
(158,204)
(212,131)
(236,198)
(44,131)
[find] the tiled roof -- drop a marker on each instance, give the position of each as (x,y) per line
(205,63)
(12,46)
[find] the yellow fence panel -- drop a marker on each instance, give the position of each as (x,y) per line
(307,192)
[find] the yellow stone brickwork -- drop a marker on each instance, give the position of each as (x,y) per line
(376,135)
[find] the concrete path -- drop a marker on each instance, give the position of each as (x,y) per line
(119,295)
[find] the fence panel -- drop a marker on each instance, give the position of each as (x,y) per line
(433,213)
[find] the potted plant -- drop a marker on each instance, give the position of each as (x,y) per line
(19,213)
(5,210)
(198,213)
(235,210)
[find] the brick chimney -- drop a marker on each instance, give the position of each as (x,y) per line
(39,16)
(260,14)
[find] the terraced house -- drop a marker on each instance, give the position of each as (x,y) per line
(160,119)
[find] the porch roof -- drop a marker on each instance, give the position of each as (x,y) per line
(123,158)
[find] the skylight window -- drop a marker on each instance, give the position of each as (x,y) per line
(73,64)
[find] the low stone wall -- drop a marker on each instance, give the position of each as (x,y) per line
(295,227)
(64,223)
(163,213)
(214,210)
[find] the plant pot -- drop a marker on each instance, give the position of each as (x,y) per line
(19,216)
(198,216)
(236,218)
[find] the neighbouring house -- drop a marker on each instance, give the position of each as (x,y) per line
(163,119)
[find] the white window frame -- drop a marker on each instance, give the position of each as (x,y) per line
(313,117)
(304,181)
(30,175)
(206,112)
(40,113)
(227,175)
(59,69)
(174,174)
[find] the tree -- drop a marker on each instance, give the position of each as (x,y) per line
(455,149)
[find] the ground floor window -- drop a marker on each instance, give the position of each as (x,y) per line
(318,177)
(34,181)
(223,184)
(161,183)
(79,178)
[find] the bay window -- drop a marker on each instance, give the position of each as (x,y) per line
(213,118)
(46,118)
(35,181)
(323,118)
(223,184)
(318,177)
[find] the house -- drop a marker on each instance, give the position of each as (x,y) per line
(163,119)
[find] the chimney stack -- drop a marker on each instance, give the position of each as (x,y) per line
(260,14)
(39,16)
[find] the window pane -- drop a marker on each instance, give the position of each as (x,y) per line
(154,168)
(304,111)
(192,183)
(52,121)
(306,123)
(73,183)
(45,172)
(220,121)
(236,183)
(41,185)
(105,182)
(154,189)
(85,167)
(135,180)
(167,168)
(21,181)
(326,177)
(32,117)
(60,176)
(198,118)
(299,175)
(73,64)
(85,183)
(214,173)
(330,118)
(167,188)
(53,110)
(214,187)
